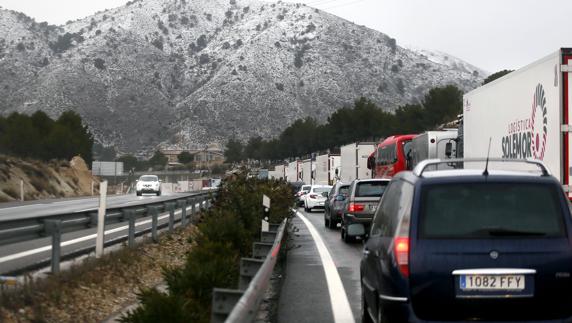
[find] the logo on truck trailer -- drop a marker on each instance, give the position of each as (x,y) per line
(527,137)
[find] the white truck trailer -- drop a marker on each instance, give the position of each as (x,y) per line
(526,114)
(292,171)
(433,144)
(277,173)
(325,171)
(353,161)
(306,171)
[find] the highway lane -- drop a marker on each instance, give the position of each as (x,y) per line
(307,293)
(16,256)
(52,207)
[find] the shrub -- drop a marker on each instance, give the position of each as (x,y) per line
(225,235)
(279,86)
(99,63)
(204,59)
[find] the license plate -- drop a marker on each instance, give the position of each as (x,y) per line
(492,282)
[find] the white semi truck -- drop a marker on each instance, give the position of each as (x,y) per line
(353,161)
(278,172)
(292,171)
(325,169)
(306,171)
(525,114)
(432,145)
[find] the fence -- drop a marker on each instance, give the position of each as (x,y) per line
(26,229)
(242,304)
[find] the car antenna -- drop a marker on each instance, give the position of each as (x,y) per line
(486,172)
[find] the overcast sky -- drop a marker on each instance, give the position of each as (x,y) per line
(491,34)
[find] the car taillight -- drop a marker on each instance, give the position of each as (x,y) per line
(313,196)
(353,207)
(401,251)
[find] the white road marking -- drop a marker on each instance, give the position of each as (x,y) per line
(338,297)
(77,240)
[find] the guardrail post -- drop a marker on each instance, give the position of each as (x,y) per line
(248,268)
(268,236)
(261,249)
(152,210)
(183,205)
(54,228)
(129,214)
(171,208)
(224,301)
(194,208)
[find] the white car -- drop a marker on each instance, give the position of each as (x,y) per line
(300,194)
(316,197)
(148,184)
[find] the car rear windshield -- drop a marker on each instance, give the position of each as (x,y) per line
(371,189)
(306,188)
(149,178)
(321,189)
(490,210)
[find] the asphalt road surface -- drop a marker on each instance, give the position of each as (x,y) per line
(16,256)
(322,282)
(50,207)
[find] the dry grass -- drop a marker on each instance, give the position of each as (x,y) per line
(96,288)
(11,192)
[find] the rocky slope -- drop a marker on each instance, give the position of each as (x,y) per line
(44,180)
(180,71)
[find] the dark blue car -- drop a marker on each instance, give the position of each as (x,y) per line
(468,245)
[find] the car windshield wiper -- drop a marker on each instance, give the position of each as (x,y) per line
(501,232)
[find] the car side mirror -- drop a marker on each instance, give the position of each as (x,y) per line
(371,162)
(325,194)
(340,197)
(448,149)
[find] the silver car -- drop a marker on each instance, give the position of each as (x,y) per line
(360,206)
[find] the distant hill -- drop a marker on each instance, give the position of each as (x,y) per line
(180,72)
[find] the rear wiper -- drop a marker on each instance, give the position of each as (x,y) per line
(500,232)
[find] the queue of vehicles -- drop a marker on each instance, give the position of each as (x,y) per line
(452,237)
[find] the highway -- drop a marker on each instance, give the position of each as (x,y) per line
(318,288)
(37,252)
(74,205)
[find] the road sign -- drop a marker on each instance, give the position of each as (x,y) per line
(265,201)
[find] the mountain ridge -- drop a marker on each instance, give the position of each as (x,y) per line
(177,73)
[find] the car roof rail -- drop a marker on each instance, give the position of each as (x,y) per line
(420,168)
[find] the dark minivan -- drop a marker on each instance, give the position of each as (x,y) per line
(468,245)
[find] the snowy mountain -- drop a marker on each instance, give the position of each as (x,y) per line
(180,72)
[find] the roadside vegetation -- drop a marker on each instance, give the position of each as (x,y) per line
(94,289)
(225,234)
(363,122)
(37,136)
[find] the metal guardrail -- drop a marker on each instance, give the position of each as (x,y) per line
(54,225)
(241,305)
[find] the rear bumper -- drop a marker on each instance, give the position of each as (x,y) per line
(148,190)
(399,310)
(363,219)
(315,204)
